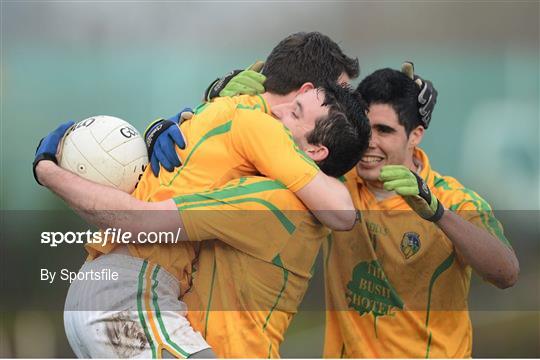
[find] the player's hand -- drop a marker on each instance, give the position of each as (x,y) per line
(428,94)
(414,190)
(48,146)
(162,137)
(245,82)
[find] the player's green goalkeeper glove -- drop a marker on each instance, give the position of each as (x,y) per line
(413,189)
(238,82)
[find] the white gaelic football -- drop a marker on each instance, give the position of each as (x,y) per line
(106,150)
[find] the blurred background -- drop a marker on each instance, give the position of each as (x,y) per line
(141,60)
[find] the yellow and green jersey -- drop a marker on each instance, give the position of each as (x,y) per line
(226,139)
(229,138)
(250,282)
(394,287)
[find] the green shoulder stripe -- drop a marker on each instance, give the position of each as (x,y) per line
(495,226)
(222,129)
(488,218)
(456,206)
(300,152)
(306,158)
(229,192)
(264,103)
(199,109)
(247,107)
(440,182)
(287,224)
(480,203)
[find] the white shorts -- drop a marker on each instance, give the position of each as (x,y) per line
(136,316)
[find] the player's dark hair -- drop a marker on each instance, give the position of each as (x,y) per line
(306,57)
(345,131)
(392,87)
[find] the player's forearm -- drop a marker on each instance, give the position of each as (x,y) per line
(77,192)
(330,202)
(107,207)
(489,257)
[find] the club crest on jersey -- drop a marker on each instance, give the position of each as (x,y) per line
(410,244)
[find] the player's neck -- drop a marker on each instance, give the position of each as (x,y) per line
(376,188)
(275,99)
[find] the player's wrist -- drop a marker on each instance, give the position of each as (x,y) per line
(152,126)
(439,212)
(151,136)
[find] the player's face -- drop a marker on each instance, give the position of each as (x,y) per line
(389,144)
(300,115)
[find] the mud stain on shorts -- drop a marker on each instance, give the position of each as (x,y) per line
(125,334)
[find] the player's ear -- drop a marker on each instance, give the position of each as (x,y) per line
(306,87)
(316,152)
(415,137)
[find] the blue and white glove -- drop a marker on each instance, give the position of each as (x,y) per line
(47,147)
(162,137)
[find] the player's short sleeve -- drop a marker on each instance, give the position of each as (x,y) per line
(255,217)
(476,210)
(270,148)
